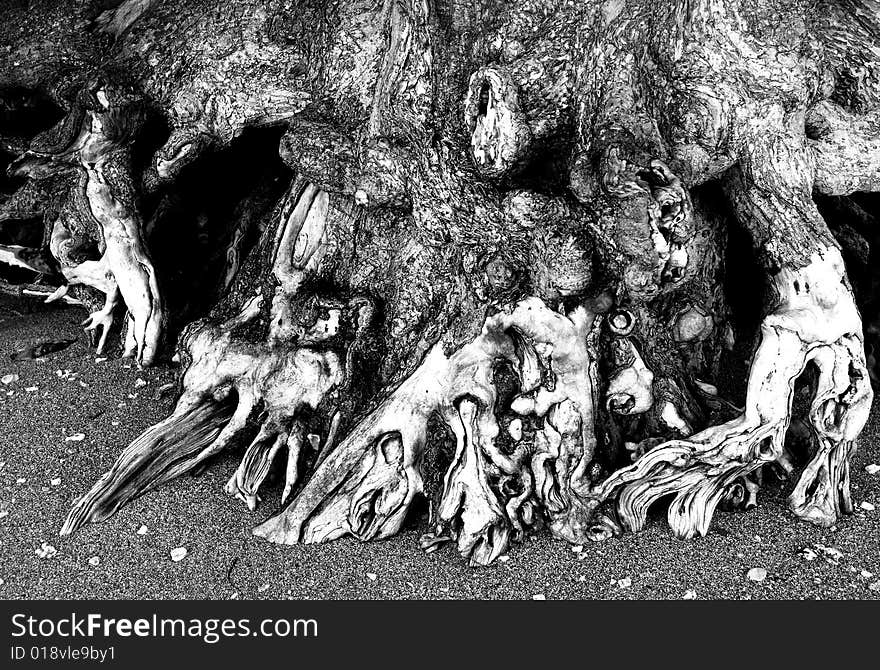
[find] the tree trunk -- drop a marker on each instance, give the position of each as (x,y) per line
(499,239)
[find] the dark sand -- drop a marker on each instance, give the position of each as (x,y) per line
(226,561)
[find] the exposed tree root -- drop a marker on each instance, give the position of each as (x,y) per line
(280,380)
(490,493)
(93,142)
(818,325)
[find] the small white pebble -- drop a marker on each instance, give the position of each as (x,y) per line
(139,383)
(263,588)
(56,481)
(2,582)
(578,548)
(504,558)
(868,507)
(100,359)
(94,560)
(875,586)
(872,469)
(114,423)
(9,379)
(20,480)
(76,437)
(372,576)
(757,574)
(539,596)
(32,389)
(690,594)
(624,583)
(142,530)
(866,574)
(46,550)
(178,554)
(4,513)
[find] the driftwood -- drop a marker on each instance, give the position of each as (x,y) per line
(522,243)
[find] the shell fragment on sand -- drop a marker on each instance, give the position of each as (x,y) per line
(757,574)
(178,554)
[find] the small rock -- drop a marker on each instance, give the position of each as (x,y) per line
(20,480)
(4,513)
(56,481)
(539,596)
(139,383)
(624,583)
(100,359)
(9,379)
(2,582)
(690,594)
(504,558)
(114,423)
(868,507)
(76,437)
(263,588)
(178,554)
(866,574)
(32,389)
(875,586)
(142,530)
(94,560)
(872,469)
(757,574)
(46,550)
(578,548)
(372,576)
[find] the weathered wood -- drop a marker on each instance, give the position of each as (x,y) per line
(509,234)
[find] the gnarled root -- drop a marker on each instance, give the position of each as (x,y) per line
(243,379)
(161,453)
(365,486)
(92,145)
(819,325)
(279,382)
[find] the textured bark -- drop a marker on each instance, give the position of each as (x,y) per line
(521,242)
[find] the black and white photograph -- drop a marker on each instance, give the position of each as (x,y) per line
(521,300)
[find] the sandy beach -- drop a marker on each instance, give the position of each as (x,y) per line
(109,402)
